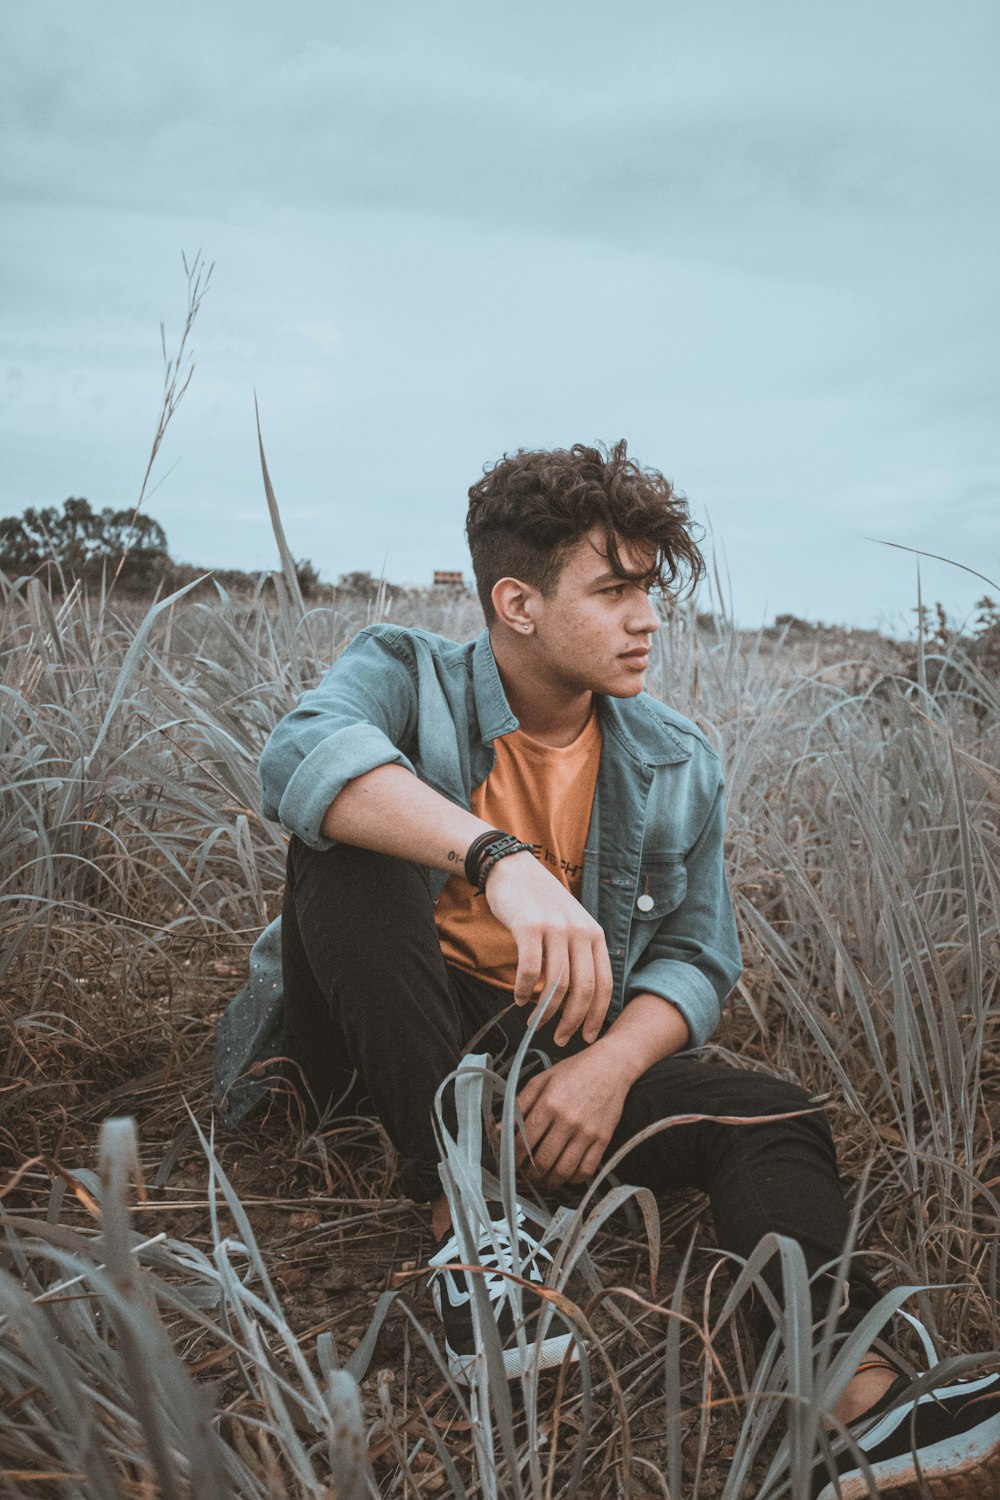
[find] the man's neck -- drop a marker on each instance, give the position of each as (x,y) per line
(542,711)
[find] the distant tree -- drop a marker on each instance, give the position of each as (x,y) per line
(988,618)
(308,575)
(792,625)
(987,635)
(361,584)
(934,626)
(79,542)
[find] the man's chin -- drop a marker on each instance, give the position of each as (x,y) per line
(630,689)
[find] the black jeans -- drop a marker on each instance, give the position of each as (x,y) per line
(376,1019)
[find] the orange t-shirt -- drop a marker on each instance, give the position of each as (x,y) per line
(543,794)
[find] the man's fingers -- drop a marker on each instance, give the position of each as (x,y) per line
(603,985)
(556,941)
(531,1091)
(557,975)
(568,1166)
(561,1156)
(550,1148)
(534,1114)
(588,1163)
(555,978)
(536,1127)
(529,966)
(581,990)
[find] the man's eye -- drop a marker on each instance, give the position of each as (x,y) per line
(616,588)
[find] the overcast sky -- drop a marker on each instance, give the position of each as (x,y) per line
(757,239)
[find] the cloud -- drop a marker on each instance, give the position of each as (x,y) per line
(750,238)
(648,132)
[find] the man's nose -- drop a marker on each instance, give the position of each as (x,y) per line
(645,620)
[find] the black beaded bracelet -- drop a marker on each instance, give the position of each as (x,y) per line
(494,854)
(475,850)
(486,850)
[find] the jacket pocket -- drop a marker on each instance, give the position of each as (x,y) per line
(661,889)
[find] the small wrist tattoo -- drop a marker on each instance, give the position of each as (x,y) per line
(452,857)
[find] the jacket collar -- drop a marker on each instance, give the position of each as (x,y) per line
(634,722)
(642,732)
(494,713)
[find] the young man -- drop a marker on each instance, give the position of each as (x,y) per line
(474,826)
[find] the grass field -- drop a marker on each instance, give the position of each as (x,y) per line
(206,1334)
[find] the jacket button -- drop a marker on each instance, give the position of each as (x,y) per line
(645,903)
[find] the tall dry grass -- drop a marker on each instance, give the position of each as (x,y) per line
(863,850)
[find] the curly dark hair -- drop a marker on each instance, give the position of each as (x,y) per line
(531,507)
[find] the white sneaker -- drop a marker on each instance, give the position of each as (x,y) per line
(452,1294)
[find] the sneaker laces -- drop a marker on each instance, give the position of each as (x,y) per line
(495,1254)
(496,1249)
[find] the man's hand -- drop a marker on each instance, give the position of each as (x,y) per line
(558,943)
(572,1109)
(570,1114)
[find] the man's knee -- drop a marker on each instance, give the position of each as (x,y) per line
(775,1095)
(357,888)
(341,862)
(790,1113)
(778,1096)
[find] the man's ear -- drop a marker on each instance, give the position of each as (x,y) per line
(514,603)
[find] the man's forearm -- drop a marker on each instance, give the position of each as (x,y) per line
(391,811)
(647,1029)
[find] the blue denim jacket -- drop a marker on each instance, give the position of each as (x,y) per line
(410,698)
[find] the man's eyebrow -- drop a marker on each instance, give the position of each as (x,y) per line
(611,577)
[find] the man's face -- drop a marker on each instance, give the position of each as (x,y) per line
(593,632)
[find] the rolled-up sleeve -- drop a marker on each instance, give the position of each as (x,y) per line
(694,959)
(357,719)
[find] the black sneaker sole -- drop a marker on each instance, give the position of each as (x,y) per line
(966,1467)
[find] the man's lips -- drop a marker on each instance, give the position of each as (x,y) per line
(641,653)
